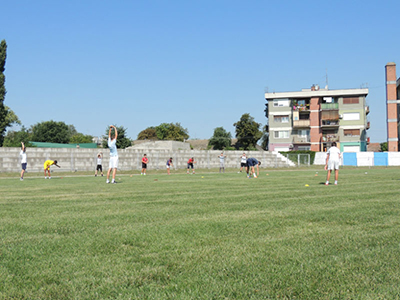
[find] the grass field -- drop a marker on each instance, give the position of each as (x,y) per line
(203,236)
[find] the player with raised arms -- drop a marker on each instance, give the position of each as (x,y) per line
(112,144)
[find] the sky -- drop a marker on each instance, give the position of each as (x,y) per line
(202,64)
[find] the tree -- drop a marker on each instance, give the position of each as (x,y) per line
(3,110)
(7,116)
(122,141)
(148,134)
(265,138)
(72,130)
(51,132)
(221,139)
(247,131)
(14,138)
(80,138)
(171,132)
(384,146)
(11,117)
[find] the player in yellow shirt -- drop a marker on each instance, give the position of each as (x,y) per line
(47,165)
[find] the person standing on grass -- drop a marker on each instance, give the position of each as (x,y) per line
(22,154)
(47,165)
(145,161)
(190,164)
(332,163)
(169,164)
(222,162)
(243,160)
(99,165)
(250,164)
(112,144)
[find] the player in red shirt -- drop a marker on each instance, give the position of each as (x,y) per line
(190,164)
(145,160)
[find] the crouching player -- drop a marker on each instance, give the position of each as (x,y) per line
(250,164)
(190,165)
(47,165)
(169,165)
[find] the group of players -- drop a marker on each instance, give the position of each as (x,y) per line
(332,161)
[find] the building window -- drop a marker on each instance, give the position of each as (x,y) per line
(284,134)
(351,132)
(281,103)
(303,133)
(354,100)
(351,116)
(281,119)
(304,148)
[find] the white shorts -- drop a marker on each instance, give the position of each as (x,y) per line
(167,166)
(113,162)
(333,165)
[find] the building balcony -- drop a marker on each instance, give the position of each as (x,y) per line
(301,123)
(368,140)
(368,125)
(329,106)
(330,137)
(329,123)
(301,139)
(330,115)
(367,109)
(301,108)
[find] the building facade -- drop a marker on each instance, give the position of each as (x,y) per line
(312,119)
(392,107)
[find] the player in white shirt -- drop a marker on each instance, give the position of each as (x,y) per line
(243,160)
(99,166)
(332,162)
(22,154)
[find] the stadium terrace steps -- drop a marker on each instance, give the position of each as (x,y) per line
(73,159)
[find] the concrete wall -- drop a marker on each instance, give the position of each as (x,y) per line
(361,159)
(71,159)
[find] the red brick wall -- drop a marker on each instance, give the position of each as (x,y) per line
(315,120)
(391,108)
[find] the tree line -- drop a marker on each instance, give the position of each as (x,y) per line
(248,133)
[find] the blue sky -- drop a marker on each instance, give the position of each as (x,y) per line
(200,63)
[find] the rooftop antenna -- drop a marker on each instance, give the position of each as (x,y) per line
(326,76)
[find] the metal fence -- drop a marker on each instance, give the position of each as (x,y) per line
(300,160)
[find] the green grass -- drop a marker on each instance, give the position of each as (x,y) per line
(187,237)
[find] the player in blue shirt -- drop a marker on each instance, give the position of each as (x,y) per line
(250,164)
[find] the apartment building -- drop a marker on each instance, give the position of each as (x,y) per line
(312,119)
(392,107)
